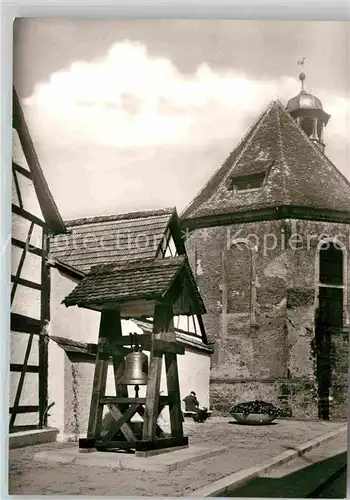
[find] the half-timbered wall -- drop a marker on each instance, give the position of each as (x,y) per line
(29,299)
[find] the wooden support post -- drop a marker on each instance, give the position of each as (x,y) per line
(175,411)
(110,323)
(162,320)
(118,360)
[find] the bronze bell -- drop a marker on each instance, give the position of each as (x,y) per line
(136,369)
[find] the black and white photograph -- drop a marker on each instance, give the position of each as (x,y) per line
(180,258)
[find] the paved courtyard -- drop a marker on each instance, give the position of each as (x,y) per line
(245,447)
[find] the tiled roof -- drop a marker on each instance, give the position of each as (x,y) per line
(150,280)
(298,172)
(114,238)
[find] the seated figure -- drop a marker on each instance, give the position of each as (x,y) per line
(192,405)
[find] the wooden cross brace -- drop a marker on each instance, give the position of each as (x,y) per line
(123,408)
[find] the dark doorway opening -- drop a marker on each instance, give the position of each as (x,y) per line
(328,321)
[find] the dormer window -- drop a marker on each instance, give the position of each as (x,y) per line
(247,182)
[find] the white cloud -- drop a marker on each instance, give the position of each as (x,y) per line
(95,113)
(130,98)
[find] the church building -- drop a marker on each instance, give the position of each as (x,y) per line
(267,236)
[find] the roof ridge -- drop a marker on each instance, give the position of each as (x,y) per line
(121,216)
(320,154)
(250,129)
(126,266)
(283,158)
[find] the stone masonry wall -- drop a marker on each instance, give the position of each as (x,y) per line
(259,285)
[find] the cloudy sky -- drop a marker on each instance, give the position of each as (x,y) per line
(131,115)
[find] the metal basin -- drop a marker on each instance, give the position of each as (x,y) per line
(253,418)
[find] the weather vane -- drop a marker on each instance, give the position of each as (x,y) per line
(302,75)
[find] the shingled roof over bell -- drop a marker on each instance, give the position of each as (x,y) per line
(149,280)
(118,238)
(295,172)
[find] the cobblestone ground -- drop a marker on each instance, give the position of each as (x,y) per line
(246,446)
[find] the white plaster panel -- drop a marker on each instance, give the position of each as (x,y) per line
(26,302)
(27,419)
(18,343)
(31,269)
(29,196)
(20,227)
(70,322)
(30,390)
(56,360)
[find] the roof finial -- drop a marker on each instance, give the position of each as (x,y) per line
(302,75)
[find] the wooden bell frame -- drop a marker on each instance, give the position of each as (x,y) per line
(121,434)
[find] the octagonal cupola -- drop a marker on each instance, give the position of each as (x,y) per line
(308,111)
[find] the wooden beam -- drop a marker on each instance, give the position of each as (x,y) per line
(27,215)
(123,445)
(162,321)
(23,409)
(21,170)
(43,339)
(175,411)
(106,400)
(30,248)
(17,367)
(21,382)
(159,430)
(18,190)
(110,319)
(24,324)
(118,357)
(21,262)
(126,416)
(160,443)
(27,283)
(98,390)
(124,427)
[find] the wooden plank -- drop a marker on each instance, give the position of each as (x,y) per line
(24,324)
(98,389)
(168,347)
(16,367)
(125,427)
(21,262)
(27,215)
(159,430)
(162,320)
(127,415)
(175,411)
(124,445)
(21,170)
(160,443)
(21,381)
(27,283)
(44,337)
(30,248)
(119,351)
(107,400)
(107,327)
(23,409)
